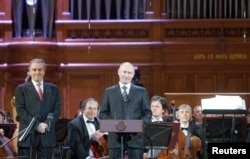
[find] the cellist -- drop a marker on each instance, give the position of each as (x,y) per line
(184,115)
(83,130)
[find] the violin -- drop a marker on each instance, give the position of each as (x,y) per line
(6,150)
(100,147)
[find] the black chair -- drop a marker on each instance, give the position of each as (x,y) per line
(62,147)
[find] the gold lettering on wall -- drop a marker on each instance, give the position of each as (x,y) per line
(220,57)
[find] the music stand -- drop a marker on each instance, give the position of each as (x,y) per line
(9,129)
(121,126)
(219,129)
(161,135)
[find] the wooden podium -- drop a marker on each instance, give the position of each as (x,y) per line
(122,126)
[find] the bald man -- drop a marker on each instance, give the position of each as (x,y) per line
(126,101)
(197,115)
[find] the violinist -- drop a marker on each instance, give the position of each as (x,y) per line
(184,115)
(84,129)
(158,106)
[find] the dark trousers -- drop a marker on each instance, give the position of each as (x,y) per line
(37,153)
(132,153)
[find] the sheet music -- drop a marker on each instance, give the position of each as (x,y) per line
(223,102)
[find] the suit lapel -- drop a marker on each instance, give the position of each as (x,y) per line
(118,92)
(33,91)
(131,91)
(84,128)
(46,90)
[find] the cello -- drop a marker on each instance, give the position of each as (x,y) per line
(187,147)
(100,147)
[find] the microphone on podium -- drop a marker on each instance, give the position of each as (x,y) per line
(50,119)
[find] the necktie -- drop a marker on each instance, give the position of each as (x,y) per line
(124,93)
(39,91)
(182,128)
(92,122)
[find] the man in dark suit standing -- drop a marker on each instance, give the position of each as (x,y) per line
(84,130)
(38,101)
(126,101)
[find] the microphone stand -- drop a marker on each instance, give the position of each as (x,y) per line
(29,131)
(46,142)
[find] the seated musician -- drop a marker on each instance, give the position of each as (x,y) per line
(158,106)
(184,115)
(197,115)
(2,121)
(83,130)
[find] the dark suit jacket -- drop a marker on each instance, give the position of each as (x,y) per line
(78,138)
(28,104)
(137,107)
(167,119)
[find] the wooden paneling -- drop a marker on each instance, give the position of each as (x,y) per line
(195,55)
(234,82)
(174,82)
(205,82)
(81,87)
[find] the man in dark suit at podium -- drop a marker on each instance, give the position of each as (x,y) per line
(126,101)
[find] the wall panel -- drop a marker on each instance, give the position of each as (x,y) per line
(81,87)
(205,82)
(234,82)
